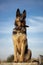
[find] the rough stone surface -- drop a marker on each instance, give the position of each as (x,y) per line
(35,63)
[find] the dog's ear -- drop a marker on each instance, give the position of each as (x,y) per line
(17,13)
(24,14)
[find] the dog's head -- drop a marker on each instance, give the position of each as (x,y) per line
(23,15)
(20,18)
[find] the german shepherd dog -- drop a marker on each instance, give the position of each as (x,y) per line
(21,51)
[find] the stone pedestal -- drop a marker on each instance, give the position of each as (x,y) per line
(35,63)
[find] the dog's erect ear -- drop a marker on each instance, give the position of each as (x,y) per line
(17,13)
(24,14)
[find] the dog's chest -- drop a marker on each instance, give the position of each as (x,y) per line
(19,40)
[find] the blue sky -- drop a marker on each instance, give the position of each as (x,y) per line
(34,9)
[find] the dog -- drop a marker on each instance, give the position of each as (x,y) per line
(21,51)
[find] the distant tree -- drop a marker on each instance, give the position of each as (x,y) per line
(0,61)
(10,58)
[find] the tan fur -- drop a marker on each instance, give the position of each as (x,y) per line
(19,43)
(20,40)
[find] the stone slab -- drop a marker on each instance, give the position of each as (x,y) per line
(19,63)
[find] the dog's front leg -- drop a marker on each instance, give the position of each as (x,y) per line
(23,44)
(22,51)
(15,53)
(15,47)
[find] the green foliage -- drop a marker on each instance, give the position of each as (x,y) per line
(10,58)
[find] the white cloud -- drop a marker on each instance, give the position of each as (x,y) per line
(5,40)
(6,48)
(35,42)
(7,26)
(36,46)
(40,18)
(35,29)
(36,24)
(5,52)
(6,30)
(36,52)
